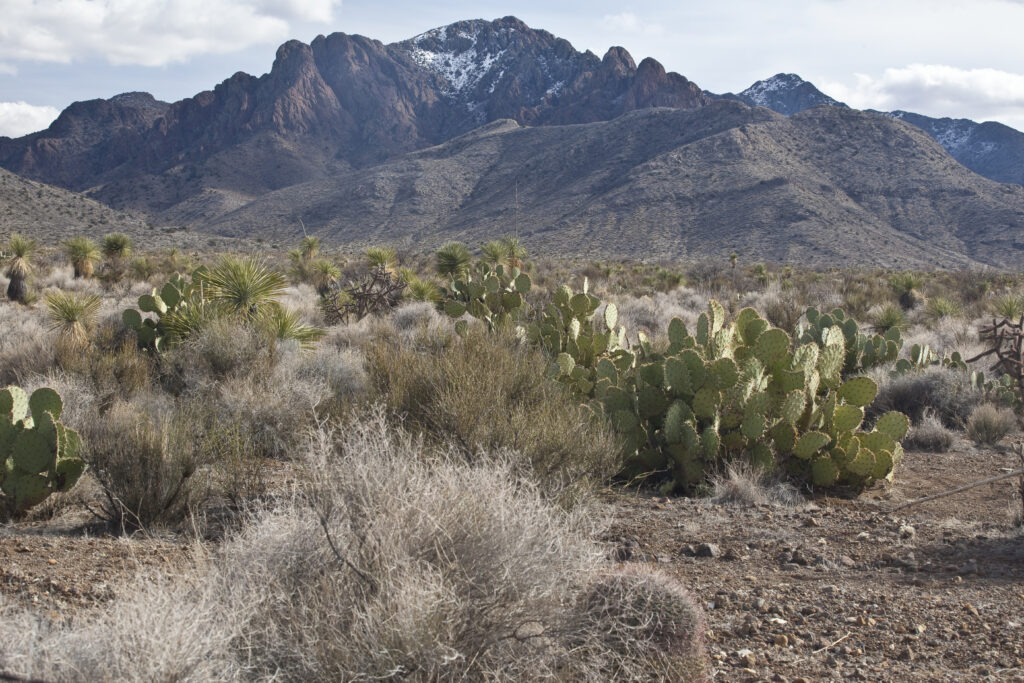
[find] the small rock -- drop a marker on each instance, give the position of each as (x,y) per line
(747,657)
(906,654)
(781,640)
(907,531)
(970,568)
(847,561)
(708,550)
(812,522)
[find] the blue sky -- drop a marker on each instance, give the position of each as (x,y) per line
(936,57)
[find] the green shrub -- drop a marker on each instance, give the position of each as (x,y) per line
(489,392)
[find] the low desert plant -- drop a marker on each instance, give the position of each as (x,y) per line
(940,307)
(487,393)
(888,316)
(989,424)
(945,392)
(743,484)
(453,259)
(1009,305)
(72,315)
(930,435)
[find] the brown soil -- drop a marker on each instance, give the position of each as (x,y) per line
(839,590)
(830,590)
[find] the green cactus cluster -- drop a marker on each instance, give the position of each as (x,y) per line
(175,296)
(492,294)
(744,390)
(861,351)
(566,330)
(922,356)
(38,455)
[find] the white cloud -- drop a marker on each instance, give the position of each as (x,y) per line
(148,32)
(8,69)
(20,118)
(629,22)
(938,90)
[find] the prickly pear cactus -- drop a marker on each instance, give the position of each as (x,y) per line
(38,455)
(860,351)
(176,295)
(743,390)
(494,295)
(585,352)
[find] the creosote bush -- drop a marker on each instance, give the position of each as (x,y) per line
(488,392)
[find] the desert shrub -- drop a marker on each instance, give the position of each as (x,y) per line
(946,392)
(144,458)
(394,562)
(488,392)
(929,434)
(645,624)
(222,349)
(742,484)
(988,424)
(26,347)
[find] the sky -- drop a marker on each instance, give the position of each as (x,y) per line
(963,59)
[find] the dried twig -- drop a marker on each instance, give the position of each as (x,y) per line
(822,649)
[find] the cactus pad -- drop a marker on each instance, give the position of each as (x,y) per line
(793,406)
(131,318)
(894,425)
(45,400)
(809,444)
(862,464)
(847,418)
(723,373)
(753,426)
(611,316)
(824,471)
(14,400)
(770,345)
(859,391)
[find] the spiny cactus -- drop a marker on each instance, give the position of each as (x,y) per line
(38,455)
(742,390)
(492,295)
(861,351)
(175,296)
(566,330)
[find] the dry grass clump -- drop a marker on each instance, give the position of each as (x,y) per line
(929,434)
(392,561)
(487,393)
(988,424)
(743,484)
(26,346)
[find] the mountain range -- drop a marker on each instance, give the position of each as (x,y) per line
(479,128)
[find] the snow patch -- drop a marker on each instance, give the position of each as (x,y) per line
(555,89)
(955,136)
(460,70)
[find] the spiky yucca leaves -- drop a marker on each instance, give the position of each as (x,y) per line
(452,260)
(323,275)
(381,256)
(943,307)
(83,254)
(493,252)
(281,325)
(72,315)
(515,252)
(1009,305)
(423,290)
(245,286)
(891,315)
(309,247)
(116,248)
(19,266)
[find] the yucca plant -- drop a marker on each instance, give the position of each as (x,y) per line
(116,248)
(309,247)
(493,253)
(941,307)
(83,254)
(423,290)
(19,266)
(143,268)
(382,256)
(888,317)
(1009,305)
(280,324)
(515,252)
(452,260)
(72,315)
(246,286)
(323,275)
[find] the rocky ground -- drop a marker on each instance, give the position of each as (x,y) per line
(828,589)
(836,590)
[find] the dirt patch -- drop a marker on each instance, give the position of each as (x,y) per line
(843,589)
